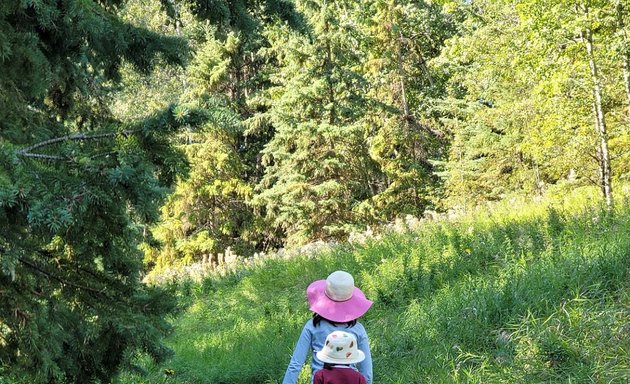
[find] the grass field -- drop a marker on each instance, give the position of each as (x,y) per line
(526,293)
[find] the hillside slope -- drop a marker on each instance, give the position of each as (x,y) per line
(534,294)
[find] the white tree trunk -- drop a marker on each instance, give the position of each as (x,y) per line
(600,122)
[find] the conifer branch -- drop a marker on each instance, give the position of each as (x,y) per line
(104,154)
(27,152)
(411,119)
(41,156)
(75,137)
(41,270)
(111,283)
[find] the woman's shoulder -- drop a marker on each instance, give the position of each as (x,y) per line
(359,327)
(329,326)
(309,324)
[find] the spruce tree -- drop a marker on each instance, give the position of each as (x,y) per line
(401,39)
(209,210)
(317,167)
(77,187)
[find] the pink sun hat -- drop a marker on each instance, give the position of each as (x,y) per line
(336,298)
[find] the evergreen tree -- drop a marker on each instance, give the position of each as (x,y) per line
(317,168)
(76,188)
(402,37)
(210,210)
(207,212)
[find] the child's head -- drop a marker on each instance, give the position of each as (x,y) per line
(340,348)
(337,299)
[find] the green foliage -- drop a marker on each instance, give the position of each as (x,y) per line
(358,113)
(400,40)
(355,125)
(317,168)
(297,121)
(524,293)
(522,96)
(73,305)
(76,187)
(243,15)
(207,211)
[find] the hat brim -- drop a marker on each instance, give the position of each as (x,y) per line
(360,356)
(337,311)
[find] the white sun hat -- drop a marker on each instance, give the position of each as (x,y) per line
(340,348)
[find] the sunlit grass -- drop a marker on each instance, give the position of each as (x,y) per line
(526,293)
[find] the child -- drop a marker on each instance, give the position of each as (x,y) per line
(336,305)
(340,350)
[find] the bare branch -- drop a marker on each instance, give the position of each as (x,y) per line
(75,137)
(622,154)
(27,152)
(104,154)
(411,119)
(42,156)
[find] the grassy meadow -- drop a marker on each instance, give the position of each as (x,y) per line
(523,293)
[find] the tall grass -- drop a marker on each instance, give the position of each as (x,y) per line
(523,294)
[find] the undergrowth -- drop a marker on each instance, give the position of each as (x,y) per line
(524,294)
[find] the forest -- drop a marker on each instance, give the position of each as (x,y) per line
(140,135)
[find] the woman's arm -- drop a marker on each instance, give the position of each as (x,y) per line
(365,367)
(302,347)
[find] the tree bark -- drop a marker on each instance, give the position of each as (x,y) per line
(401,77)
(331,90)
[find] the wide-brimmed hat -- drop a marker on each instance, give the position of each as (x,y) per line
(340,348)
(336,298)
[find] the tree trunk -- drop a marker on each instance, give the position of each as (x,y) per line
(600,122)
(401,78)
(331,90)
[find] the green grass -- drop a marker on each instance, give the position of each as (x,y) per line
(524,294)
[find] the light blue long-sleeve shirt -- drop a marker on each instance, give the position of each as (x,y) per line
(312,340)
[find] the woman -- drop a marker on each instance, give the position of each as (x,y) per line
(336,305)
